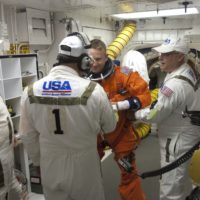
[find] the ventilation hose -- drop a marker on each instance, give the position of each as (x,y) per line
(114,49)
(172,165)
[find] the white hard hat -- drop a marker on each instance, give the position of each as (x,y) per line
(172,44)
(75,44)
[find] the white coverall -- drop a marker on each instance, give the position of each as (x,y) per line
(8,180)
(176,134)
(137,62)
(62,138)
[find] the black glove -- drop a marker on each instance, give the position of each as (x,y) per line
(135,104)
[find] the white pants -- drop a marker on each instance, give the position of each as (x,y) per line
(175,184)
(172,184)
(10,181)
(71,176)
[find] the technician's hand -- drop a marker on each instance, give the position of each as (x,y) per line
(114,106)
(17,140)
(142,114)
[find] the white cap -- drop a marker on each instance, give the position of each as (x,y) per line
(75,44)
(172,44)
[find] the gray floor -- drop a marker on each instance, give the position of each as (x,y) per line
(147,157)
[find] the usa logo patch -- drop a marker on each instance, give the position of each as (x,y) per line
(56,88)
(166,91)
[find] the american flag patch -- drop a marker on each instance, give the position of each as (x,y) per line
(166,91)
(126,70)
(192,74)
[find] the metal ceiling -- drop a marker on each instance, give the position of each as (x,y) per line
(56,5)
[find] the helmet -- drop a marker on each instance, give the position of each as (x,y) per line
(76,45)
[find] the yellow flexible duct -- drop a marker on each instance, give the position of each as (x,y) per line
(114,49)
(143,129)
(154,95)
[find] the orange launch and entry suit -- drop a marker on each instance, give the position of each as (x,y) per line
(121,86)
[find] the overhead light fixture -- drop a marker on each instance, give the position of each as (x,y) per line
(157,13)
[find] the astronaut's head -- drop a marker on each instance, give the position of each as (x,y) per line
(98,54)
(101,66)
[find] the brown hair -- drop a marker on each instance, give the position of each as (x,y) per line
(98,44)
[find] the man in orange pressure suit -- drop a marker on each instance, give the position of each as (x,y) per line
(128,92)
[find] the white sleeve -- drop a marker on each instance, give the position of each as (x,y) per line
(30,137)
(6,126)
(169,98)
(107,120)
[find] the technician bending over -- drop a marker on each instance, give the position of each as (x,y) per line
(128,92)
